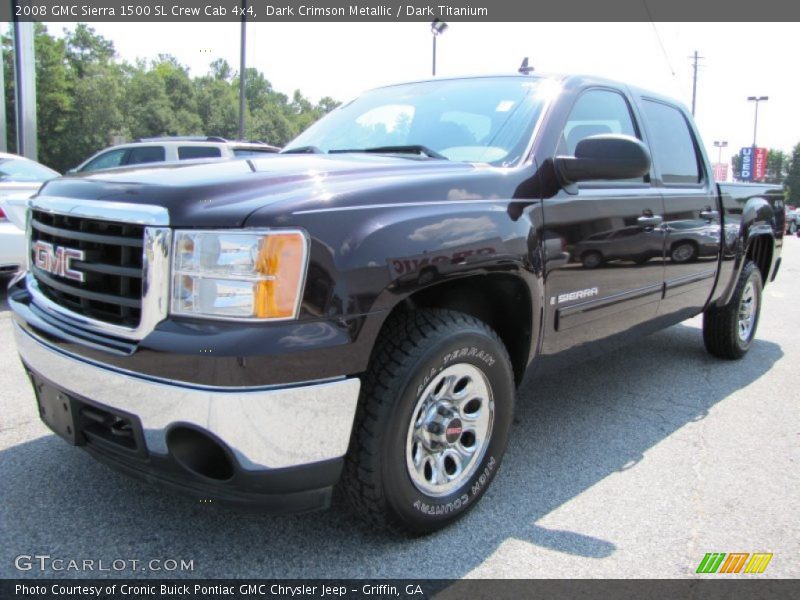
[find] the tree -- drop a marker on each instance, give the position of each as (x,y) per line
(736,165)
(84,47)
(86,97)
(793,177)
(777,161)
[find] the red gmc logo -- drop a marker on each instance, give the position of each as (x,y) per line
(57,260)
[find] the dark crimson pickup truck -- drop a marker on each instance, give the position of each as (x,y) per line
(359,310)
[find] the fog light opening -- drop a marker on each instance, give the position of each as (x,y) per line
(200,454)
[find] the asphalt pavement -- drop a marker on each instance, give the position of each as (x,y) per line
(635,464)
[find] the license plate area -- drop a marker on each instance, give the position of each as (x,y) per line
(82,422)
(56,410)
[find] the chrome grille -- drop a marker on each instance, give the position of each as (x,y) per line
(113,266)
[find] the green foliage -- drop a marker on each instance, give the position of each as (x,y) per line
(777,163)
(86,96)
(793,177)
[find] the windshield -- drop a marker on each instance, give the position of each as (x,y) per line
(24,170)
(486,120)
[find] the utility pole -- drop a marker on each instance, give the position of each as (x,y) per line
(695,65)
(241,70)
(3,131)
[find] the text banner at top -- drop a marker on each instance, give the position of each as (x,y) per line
(410,10)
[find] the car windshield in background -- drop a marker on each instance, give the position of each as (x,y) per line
(19,169)
(484,120)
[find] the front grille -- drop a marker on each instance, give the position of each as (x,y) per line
(113,266)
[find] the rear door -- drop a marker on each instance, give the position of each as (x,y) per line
(611,229)
(691,219)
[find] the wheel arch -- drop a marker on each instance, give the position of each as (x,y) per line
(502,301)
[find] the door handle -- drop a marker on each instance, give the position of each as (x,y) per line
(709,214)
(650,221)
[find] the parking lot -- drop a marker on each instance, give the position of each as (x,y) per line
(632,465)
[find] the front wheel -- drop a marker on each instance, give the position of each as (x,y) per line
(591,259)
(432,422)
(728,331)
(683,252)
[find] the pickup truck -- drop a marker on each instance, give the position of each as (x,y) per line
(359,310)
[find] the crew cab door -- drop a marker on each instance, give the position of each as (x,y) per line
(691,218)
(610,276)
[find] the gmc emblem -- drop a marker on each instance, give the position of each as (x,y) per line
(57,260)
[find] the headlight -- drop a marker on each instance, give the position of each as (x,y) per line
(238,274)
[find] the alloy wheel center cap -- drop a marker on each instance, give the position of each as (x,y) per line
(453,430)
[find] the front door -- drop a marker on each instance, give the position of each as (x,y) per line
(611,273)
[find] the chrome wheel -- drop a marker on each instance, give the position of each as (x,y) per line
(450,430)
(748,308)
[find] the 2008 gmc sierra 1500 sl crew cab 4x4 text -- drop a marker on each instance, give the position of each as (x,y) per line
(359,310)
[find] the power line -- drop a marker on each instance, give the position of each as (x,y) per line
(658,37)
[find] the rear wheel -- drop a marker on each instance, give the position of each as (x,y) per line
(728,331)
(432,422)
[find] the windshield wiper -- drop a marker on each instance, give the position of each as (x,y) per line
(408,149)
(304,150)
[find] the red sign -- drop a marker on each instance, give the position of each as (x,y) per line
(720,171)
(759,164)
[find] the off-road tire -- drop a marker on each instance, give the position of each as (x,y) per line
(413,349)
(721,324)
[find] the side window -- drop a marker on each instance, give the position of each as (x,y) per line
(672,144)
(188,152)
(145,154)
(112,158)
(596,112)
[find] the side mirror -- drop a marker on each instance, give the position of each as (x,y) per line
(605,157)
(71,171)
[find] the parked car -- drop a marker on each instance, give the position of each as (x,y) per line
(687,240)
(20,178)
(261,332)
(793,221)
(170,149)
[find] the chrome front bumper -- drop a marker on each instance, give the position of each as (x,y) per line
(265,428)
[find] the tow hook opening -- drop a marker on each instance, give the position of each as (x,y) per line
(199,453)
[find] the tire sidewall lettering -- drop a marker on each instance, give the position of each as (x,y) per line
(483,356)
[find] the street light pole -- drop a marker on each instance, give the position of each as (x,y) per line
(756,99)
(437,28)
(720,146)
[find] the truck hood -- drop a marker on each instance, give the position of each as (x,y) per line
(225,193)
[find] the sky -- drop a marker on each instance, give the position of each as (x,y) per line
(343,59)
